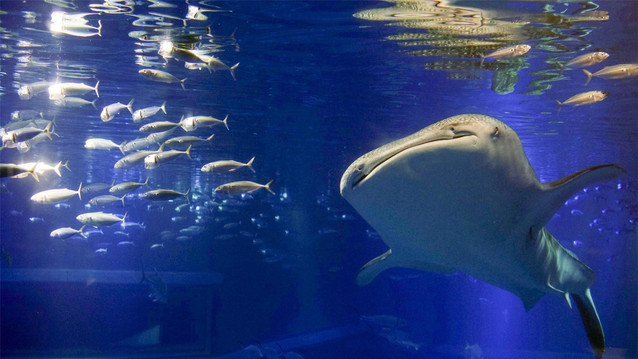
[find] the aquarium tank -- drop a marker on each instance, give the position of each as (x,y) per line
(319,179)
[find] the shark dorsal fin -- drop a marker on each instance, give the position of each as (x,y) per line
(559,191)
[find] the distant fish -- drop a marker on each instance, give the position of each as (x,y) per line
(105,200)
(55,195)
(26,115)
(75,28)
(102,144)
(161,76)
(97,219)
(159,126)
(126,187)
(144,113)
(96,187)
(227,165)
(584,98)
(12,169)
(132,159)
(12,138)
(164,194)
(74,102)
(620,71)
(243,187)
(507,52)
(588,59)
(66,232)
(42,168)
(108,112)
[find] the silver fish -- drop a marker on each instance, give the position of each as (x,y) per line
(55,195)
(189,124)
(184,141)
(507,52)
(155,159)
(66,232)
(620,71)
(144,113)
(126,187)
(102,144)
(105,200)
(588,59)
(132,159)
(97,219)
(227,165)
(584,98)
(12,169)
(60,90)
(164,194)
(243,187)
(108,112)
(161,76)
(159,126)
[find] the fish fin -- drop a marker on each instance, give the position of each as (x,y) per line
(482,59)
(562,68)
(146,182)
(232,70)
(373,268)
(250,164)
(186,195)
(121,147)
(188,151)
(93,104)
(530,298)
(560,104)
(589,75)
(95,88)
(267,186)
(122,199)
(559,191)
(130,105)
(181,82)
(48,130)
(569,301)
(163,107)
(81,231)
(99,28)
(225,122)
(590,318)
(56,169)
(32,173)
(210,138)
(79,191)
(124,218)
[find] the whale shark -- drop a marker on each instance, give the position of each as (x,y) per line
(461,195)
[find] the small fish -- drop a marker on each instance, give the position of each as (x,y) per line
(74,102)
(215,64)
(132,159)
(620,71)
(60,90)
(11,138)
(108,112)
(155,159)
(144,113)
(588,59)
(102,144)
(189,124)
(42,168)
(161,76)
(184,141)
(243,187)
(96,187)
(101,251)
(66,232)
(97,219)
(158,126)
(126,187)
(55,195)
(36,219)
(26,115)
(76,29)
(227,165)
(507,52)
(157,246)
(105,200)
(584,98)
(26,92)
(163,194)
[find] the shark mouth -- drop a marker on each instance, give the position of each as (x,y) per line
(364,170)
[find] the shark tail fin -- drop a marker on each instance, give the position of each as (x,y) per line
(591,321)
(373,268)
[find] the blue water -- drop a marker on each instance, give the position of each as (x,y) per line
(319,83)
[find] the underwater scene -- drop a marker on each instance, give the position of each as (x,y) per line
(318,179)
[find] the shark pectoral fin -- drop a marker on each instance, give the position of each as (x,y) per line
(591,321)
(371,270)
(561,190)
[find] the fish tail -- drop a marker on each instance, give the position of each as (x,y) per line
(163,107)
(99,28)
(186,195)
(210,138)
(232,70)
(48,130)
(93,103)
(267,186)
(130,106)
(250,164)
(589,75)
(146,182)
(95,88)
(560,104)
(32,172)
(124,218)
(562,68)
(226,122)
(121,147)
(181,82)
(66,165)
(122,199)
(81,231)
(188,152)
(56,169)
(482,59)
(79,191)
